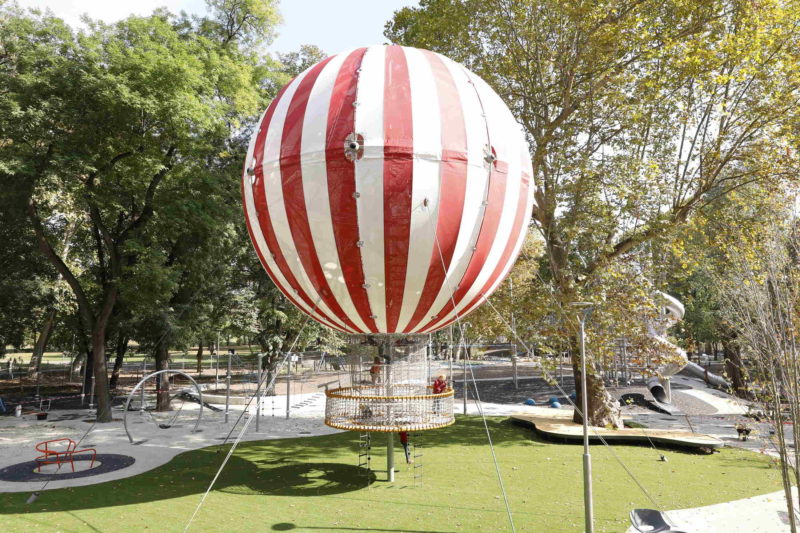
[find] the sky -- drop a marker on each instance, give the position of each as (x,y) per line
(332,25)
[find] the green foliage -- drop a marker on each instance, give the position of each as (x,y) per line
(296,62)
(250,22)
(133,134)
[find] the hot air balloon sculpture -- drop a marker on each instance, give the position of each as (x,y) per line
(387,191)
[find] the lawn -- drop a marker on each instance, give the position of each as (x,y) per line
(312,484)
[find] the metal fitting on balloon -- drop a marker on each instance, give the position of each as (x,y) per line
(354,147)
(490,156)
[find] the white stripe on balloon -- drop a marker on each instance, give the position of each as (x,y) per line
(477,184)
(369,178)
(271,266)
(277,207)
(426,121)
(315,185)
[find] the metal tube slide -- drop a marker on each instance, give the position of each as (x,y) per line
(659,384)
(712,379)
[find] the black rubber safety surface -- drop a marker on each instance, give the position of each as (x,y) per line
(109,462)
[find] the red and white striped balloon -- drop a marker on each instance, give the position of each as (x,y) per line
(387,190)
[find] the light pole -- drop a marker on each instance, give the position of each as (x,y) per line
(584,309)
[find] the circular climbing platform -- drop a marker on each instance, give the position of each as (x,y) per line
(401,407)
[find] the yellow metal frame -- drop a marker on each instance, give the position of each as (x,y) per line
(394,429)
(334,393)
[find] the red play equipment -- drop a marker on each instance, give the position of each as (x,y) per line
(61,455)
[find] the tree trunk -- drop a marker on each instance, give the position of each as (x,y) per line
(162,363)
(101,388)
(733,367)
(269,363)
(41,343)
(200,357)
(603,410)
(87,372)
(100,363)
(79,361)
(121,349)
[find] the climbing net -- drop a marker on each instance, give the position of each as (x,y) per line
(390,392)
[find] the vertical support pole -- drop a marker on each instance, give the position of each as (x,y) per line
(625,372)
(288,385)
(216,372)
(228,388)
(388,354)
(450,355)
(587,459)
(513,333)
(464,382)
(430,356)
(514,368)
(258,391)
(390,457)
(91,397)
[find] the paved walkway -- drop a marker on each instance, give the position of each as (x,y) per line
(761,514)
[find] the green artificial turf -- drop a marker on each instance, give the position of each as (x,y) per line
(312,484)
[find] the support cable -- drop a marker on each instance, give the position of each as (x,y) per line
(462,338)
(578,410)
(246,424)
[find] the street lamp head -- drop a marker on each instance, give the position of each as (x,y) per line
(584,308)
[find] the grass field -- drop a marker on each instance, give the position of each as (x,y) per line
(312,484)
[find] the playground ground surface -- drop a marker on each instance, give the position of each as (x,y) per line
(313,484)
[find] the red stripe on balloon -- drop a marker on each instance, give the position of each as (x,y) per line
(342,184)
(294,197)
(452,186)
(286,293)
(506,258)
(397,179)
(265,224)
(486,237)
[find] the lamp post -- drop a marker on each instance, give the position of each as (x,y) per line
(584,309)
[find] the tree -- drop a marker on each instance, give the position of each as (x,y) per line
(700,263)
(638,114)
(296,62)
(106,118)
(762,297)
(250,23)
(25,279)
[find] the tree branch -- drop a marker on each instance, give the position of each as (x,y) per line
(147,210)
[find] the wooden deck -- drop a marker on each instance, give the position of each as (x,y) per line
(557,424)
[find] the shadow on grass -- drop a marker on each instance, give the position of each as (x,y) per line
(305,479)
(307,466)
(190,473)
(289,526)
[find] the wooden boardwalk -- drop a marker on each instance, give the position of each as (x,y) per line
(558,424)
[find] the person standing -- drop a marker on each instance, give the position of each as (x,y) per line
(375,370)
(439,386)
(404,442)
